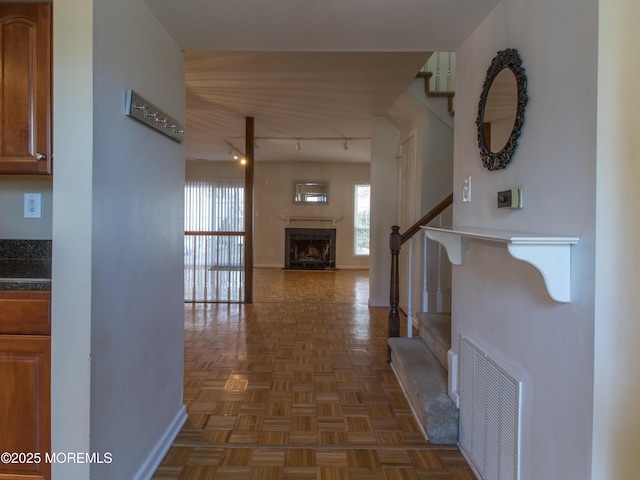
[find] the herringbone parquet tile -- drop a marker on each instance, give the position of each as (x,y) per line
(297,386)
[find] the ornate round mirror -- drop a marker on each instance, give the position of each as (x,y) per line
(501,109)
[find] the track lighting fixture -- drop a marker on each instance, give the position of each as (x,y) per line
(238,154)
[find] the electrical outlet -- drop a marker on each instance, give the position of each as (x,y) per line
(32,205)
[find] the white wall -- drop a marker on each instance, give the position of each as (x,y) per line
(72,244)
(206,170)
(436,182)
(13,225)
(117,338)
(616,411)
(385,138)
(273,196)
(413,115)
(499,302)
(437,164)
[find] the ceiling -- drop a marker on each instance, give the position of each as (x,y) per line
(310,72)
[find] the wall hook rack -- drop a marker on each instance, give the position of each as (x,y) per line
(144,111)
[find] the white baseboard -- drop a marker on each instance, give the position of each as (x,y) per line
(340,267)
(150,465)
(452,390)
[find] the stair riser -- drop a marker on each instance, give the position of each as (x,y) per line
(435,332)
(424,382)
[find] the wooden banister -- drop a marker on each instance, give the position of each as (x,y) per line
(433,213)
(396,239)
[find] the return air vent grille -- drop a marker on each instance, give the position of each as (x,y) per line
(489,415)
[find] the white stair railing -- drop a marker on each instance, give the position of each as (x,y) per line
(425,273)
(443,67)
(410,291)
(396,239)
(439,307)
(425,276)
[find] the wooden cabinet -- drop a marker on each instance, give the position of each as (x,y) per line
(25,312)
(25,384)
(25,89)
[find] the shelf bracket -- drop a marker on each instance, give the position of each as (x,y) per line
(451,243)
(550,255)
(552,261)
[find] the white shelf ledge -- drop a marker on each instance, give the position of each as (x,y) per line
(309,218)
(551,255)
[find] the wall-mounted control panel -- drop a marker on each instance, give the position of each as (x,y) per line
(512,198)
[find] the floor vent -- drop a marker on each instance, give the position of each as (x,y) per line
(489,415)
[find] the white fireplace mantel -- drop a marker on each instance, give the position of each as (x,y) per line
(310,218)
(551,255)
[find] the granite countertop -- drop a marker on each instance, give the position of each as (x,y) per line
(25,264)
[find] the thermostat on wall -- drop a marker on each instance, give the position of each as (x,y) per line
(513,198)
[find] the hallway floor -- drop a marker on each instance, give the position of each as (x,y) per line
(297,386)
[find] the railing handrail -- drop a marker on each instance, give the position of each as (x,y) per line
(432,214)
(396,239)
(210,233)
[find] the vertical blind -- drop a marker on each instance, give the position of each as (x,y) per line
(214,206)
(214,241)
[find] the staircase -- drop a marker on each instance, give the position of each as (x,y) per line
(420,363)
(439,75)
(449,95)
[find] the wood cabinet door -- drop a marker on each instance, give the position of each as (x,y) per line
(25,411)
(25,88)
(25,312)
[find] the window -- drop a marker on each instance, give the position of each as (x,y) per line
(214,241)
(214,206)
(361,219)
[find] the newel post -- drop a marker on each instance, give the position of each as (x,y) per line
(395,242)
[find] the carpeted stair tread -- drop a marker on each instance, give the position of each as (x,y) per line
(435,332)
(425,383)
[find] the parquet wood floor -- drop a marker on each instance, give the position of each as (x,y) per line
(297,386)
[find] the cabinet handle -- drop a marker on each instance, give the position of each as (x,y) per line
(40,156)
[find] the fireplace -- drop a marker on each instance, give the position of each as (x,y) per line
(310,248)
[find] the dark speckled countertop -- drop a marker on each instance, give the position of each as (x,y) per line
(25,264)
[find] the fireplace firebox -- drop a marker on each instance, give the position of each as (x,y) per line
(310,248)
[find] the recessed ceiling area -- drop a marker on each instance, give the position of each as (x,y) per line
(327,25)
(310,73)
(305,104)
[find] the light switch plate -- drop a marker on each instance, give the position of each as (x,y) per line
(466,189)
(32,205)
